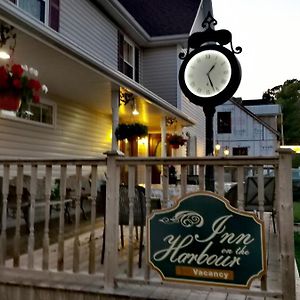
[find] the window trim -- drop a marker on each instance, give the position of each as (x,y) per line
(46,16)
(219,125)
(51,7)
(36,123)
(135,58)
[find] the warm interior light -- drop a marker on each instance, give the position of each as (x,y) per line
(4,55)
(218,147)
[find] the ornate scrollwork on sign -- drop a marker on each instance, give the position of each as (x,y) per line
(186,218)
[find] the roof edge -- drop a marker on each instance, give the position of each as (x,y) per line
(126,20)
(254,116)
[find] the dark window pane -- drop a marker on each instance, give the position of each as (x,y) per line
(137,65)
(240,151)
(224,122)
(35,7)
(128,70)
(54,14)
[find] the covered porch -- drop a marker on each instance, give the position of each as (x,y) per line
(85,100)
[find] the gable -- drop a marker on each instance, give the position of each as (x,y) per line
(159,17)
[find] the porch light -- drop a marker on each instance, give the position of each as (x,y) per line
(135,112)
(7,41)
(217,147)
(226,151)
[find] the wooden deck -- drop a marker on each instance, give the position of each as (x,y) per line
(137,290)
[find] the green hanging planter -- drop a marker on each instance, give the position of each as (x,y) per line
(131,131)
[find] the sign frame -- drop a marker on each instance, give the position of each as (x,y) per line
(234,212)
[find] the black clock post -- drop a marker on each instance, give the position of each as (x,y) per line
(209,75)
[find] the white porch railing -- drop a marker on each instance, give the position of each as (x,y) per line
(119,267)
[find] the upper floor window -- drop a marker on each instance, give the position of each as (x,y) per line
(128,60)
(47,11)
(224,122)
(43,113)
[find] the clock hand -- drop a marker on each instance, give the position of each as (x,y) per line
(210,81)
(211,69)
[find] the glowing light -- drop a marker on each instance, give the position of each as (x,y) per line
(4,55)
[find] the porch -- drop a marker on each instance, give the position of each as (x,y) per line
(64,260)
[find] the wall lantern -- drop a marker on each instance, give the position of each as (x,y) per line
(7,41)
(127,97)
(226,151)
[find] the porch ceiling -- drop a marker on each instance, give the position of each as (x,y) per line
(63,75)
(69,78)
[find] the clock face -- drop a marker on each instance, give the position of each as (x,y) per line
(207,73)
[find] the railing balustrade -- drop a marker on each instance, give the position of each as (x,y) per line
(77,253)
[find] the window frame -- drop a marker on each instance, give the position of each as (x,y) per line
(122,62)
(45,101)
(220,125)
(52,13)
(47,8)
(239,149)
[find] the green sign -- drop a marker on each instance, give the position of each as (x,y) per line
(205,240)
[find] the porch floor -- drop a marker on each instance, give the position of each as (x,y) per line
(134,291)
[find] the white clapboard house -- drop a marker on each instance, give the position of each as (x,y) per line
(88,53)
(249,128)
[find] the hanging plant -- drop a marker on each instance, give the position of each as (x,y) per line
(176,140)
(18,86)
(131,131)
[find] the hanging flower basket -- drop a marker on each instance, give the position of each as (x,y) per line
(131,131)
(18,86)
(9,101)
(176,140)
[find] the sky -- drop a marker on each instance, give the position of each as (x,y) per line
(269,33)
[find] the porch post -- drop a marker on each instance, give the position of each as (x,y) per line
(115,94)
(163,136)
(286,226)
(111,221)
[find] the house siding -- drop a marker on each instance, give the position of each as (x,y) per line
(87,27)
(79,132)
(196,132)
(160,72)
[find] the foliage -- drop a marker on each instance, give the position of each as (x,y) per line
(175,139)
(296,212)
(20,81)
(131,131)
(288,96)
(297,248)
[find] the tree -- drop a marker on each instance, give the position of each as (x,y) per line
(288,96)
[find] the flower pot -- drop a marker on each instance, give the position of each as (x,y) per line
(9,102)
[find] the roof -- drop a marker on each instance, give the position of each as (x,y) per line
(163,17)
(236,101)
(257,102)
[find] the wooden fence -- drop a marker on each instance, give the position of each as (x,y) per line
(35,266)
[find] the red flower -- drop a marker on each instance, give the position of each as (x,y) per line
(17,70)
(3,77)
(36,98)
(17,83)
(34,84)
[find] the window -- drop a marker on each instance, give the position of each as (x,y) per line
(240,151)
(43,113)
(128,60)
(47,11)
(224,122)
